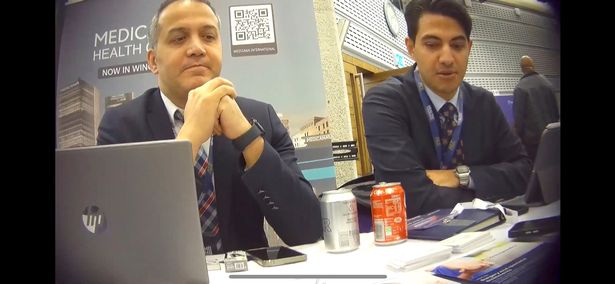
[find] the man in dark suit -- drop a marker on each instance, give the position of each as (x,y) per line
(255,170)
(534,106)
(445,140)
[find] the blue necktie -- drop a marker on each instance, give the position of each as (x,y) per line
(448,122)
(203,172)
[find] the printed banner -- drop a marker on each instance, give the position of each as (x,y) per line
(267,56)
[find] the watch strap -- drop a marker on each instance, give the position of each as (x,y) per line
(464,179)
(241,142)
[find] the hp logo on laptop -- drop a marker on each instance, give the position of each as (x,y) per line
(94,219)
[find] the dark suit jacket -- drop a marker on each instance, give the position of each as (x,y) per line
(534,107)
(401,147)
(273,187)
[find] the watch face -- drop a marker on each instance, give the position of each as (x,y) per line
(463,169)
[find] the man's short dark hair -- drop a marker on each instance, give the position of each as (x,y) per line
(450,8)
(153,28)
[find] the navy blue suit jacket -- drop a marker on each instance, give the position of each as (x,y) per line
(534,107)
(274,187)
(401,146)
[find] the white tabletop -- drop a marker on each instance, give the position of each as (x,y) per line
(368,260)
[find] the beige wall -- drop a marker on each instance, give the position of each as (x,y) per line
(335,86)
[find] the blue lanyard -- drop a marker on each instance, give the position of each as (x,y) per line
(430,110)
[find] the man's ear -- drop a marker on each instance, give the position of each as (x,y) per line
(151,61)
(410,47)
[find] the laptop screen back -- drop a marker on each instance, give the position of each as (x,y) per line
(544,184)
(127,213)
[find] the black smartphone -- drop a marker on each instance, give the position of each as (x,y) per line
(274,256)
(536,227)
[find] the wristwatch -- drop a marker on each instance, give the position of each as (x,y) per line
(245,139)
(463,173)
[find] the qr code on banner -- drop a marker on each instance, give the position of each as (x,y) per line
(252,24)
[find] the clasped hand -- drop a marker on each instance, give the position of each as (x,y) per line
(211,109)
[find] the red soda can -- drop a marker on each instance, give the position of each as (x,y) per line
(389,213)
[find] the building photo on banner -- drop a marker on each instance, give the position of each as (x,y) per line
(103,64)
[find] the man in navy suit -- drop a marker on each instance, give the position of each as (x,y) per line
(255,170)
(534,106)
(445,140)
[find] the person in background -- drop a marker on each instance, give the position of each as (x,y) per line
(534,106)
(445,140)
(245,161)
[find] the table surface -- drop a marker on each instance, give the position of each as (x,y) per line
(368,260)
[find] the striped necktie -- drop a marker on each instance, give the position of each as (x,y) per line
(448,122)
(203,172)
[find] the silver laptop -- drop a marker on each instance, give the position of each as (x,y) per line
(127,213)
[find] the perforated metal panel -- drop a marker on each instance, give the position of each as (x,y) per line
(515,33)
(499,37)
(497,58)
(501,84)
(556,83)
(507,13)
(365,45)
(370,14)
(368,36)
